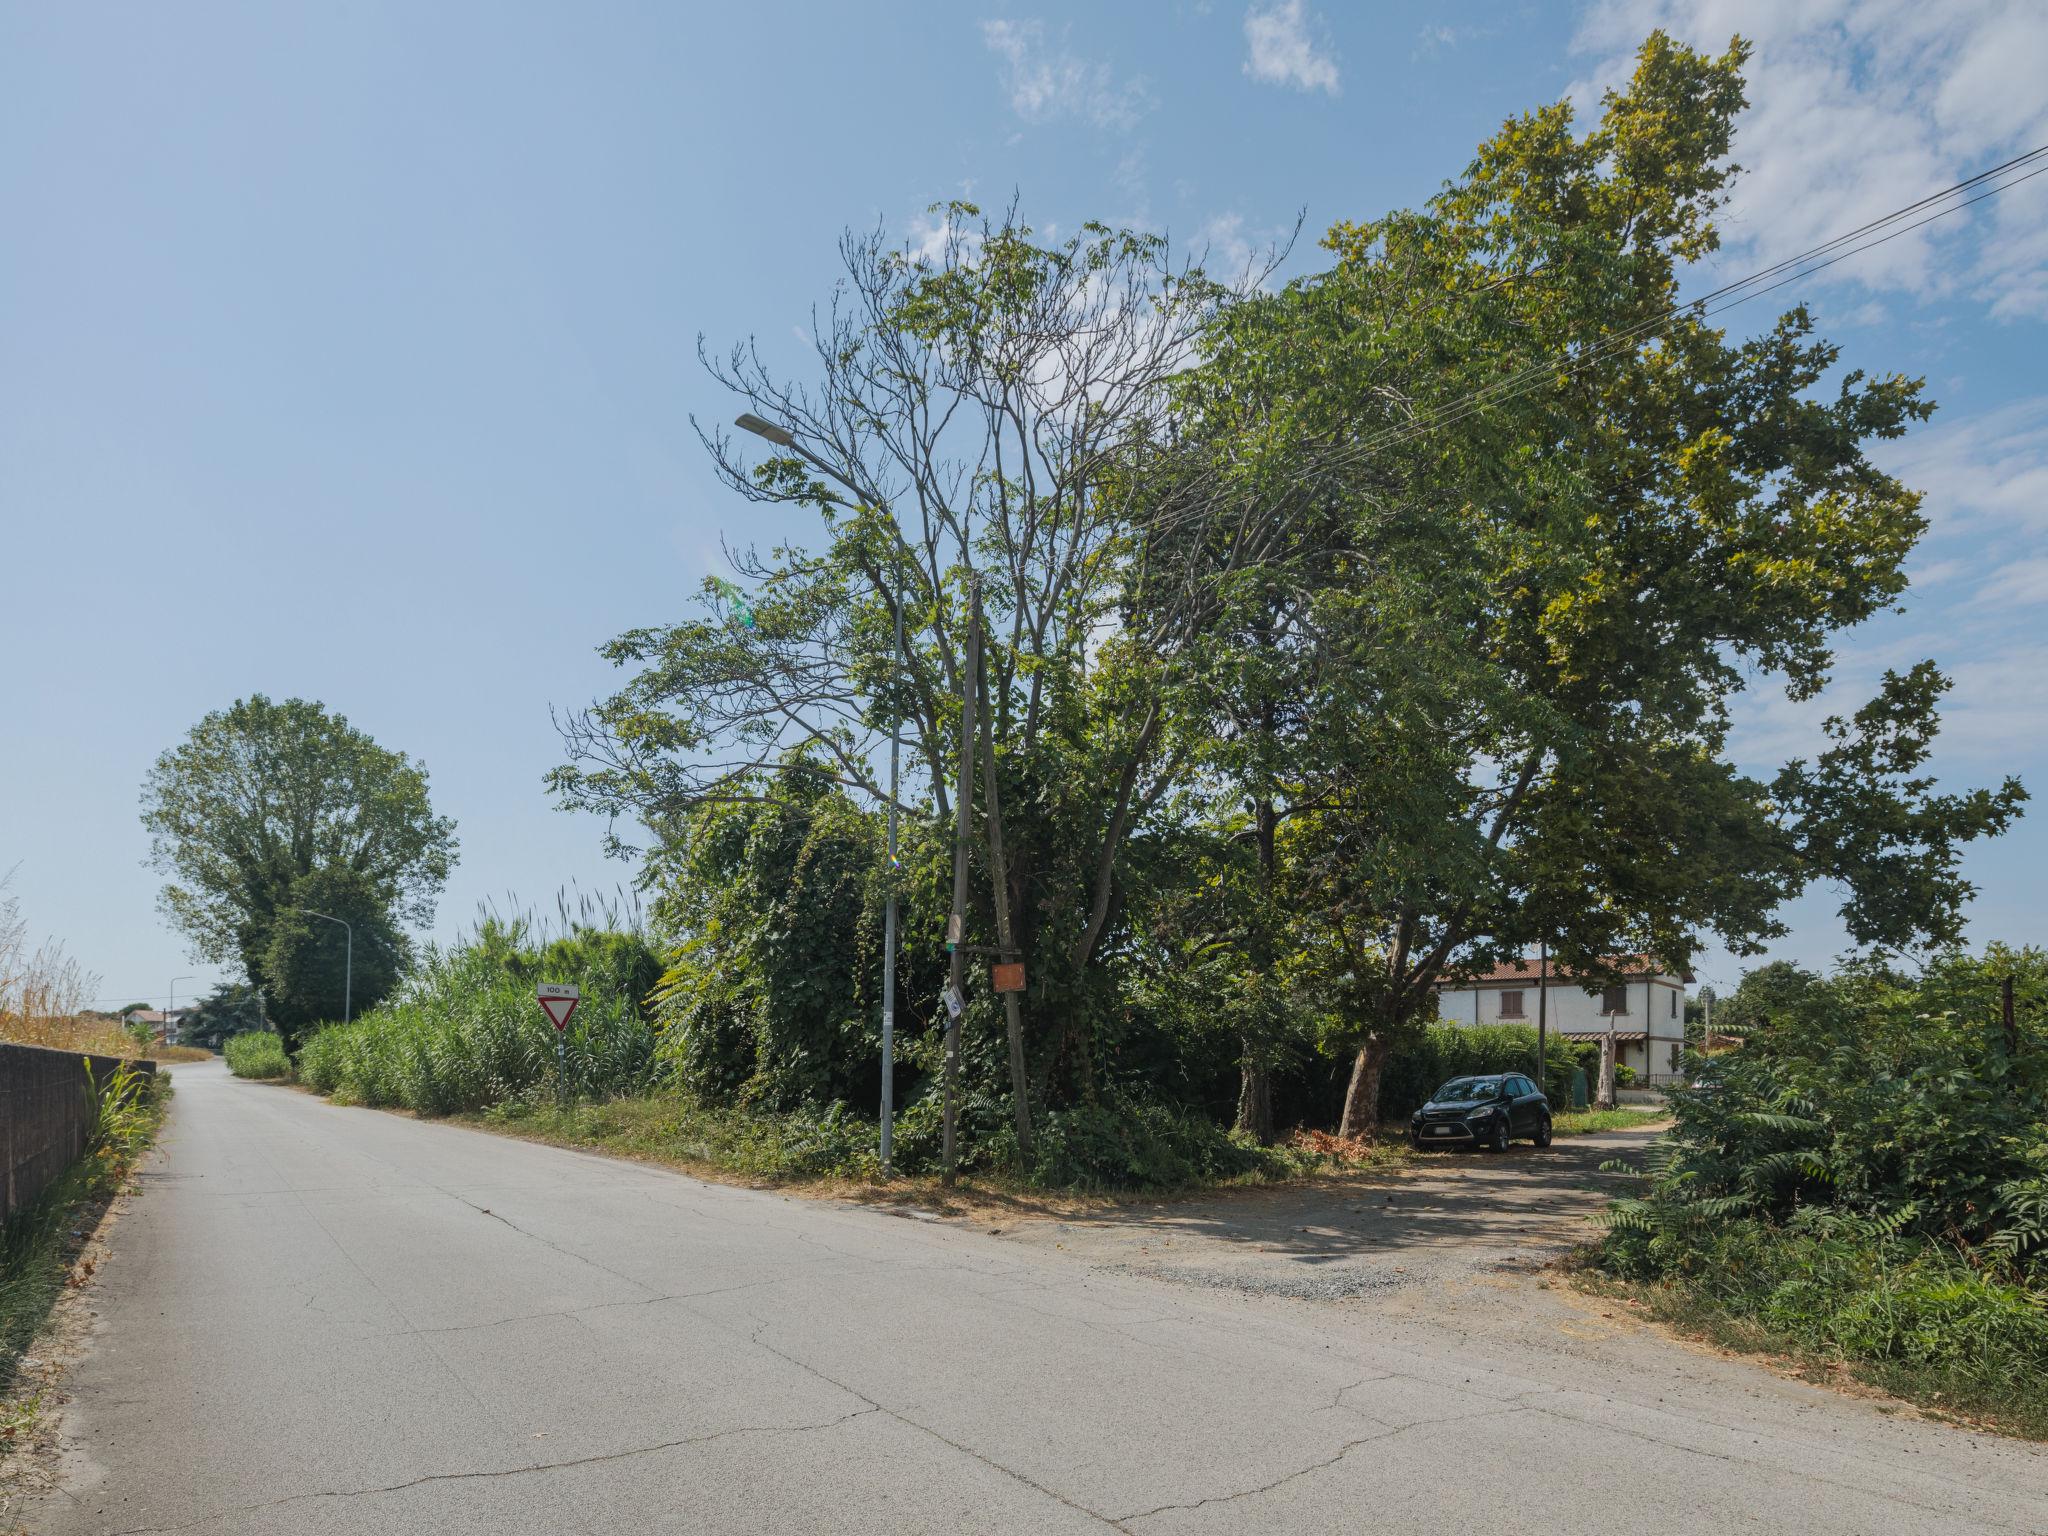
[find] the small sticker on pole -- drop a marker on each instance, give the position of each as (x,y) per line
(558,1002)
(955,1003)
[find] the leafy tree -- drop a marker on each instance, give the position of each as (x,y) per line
(312,968)
(977,416)
(229,1009)
(1552,595)
(262,795)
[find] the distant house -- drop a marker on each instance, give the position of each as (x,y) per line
(1641,1004)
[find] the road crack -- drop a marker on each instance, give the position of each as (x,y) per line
(504,1472)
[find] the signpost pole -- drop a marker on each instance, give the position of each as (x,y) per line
(558,1003)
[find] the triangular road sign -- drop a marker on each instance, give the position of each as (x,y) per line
(558,1002)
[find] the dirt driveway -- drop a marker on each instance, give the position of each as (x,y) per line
(1449,1223)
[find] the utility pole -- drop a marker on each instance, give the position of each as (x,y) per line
(999,871)
(956,925)
(889,922)
(1543,1012)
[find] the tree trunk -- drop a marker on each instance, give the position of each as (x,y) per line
(1362,1098)
(1254,1096)
(1605,1098)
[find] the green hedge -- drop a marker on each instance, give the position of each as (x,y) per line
(257,1054)
(1445,1051)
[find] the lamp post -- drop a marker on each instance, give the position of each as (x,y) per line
(782,437)
(172,1006)
(348,971)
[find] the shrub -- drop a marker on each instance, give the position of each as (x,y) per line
(465,1033)
(1867,1178)
(257,1054)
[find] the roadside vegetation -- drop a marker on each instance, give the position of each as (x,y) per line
(1863,1184)
(256,1054)
(39,1248)
(44,993)
(1302,628)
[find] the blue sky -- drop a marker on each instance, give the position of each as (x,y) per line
(349,352)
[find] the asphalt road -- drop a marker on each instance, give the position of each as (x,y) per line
(323,1320)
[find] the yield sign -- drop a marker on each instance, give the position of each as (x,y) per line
(558,1002)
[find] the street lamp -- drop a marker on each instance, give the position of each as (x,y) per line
(782,437)
(172,1006)
(348,972)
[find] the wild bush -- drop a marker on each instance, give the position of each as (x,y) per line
(465,1032)
(1867,1176)
(257,1054)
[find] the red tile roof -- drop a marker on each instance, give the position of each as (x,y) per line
(1628,967)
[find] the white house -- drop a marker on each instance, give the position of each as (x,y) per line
(1642,1005)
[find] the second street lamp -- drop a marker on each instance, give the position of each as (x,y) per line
(782,437)
(348,970)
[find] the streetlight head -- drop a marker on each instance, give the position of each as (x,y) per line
(779,435)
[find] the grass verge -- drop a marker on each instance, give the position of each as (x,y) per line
(1956,1389)
(1589,1122)
(40,1248)
(836,1159)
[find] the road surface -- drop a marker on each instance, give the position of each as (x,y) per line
(324,1320)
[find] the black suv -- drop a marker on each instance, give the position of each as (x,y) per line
(1483,1111)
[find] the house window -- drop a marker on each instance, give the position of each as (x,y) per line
(1674,1005)
(1614,1000)
(1511,1005)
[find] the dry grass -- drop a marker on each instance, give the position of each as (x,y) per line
(43,993)
(97,1034)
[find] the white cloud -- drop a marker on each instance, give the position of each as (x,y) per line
(1281,52)
(1046,83)
(1857,107)
(1985,477)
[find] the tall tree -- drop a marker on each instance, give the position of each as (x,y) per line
(977,415)
(1617,518)
(315,969)
(262,795)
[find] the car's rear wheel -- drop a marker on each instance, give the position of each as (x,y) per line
(1543,1132)
(1498,1141)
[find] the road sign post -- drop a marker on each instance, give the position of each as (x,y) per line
(559,1002)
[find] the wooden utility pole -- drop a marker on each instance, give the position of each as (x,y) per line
(956,925)
(999,877)
(1542,1013)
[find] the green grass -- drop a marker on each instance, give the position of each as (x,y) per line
(257,1054)
(1918,1326)
(1586,1122)
(38,1248)
(793,1149)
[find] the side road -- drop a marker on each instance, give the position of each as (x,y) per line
(1443,1225)
(326,1320)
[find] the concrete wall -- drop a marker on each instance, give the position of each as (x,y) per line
(44,1115)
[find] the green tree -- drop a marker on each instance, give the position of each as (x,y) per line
(1549,597)
(978,415)
(261,795)
(312,970)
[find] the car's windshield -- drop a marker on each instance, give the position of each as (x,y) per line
(1468,1088)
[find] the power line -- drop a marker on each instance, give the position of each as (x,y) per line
(1788,270)
(1805,262)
